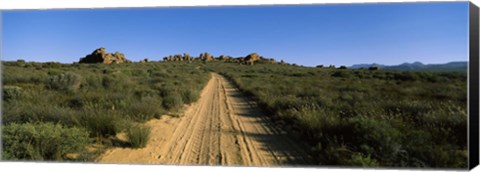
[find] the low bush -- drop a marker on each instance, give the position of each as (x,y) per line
(406,76)
(100,123)
(144,109)
(359,159)
(165,89)
(138,135)
(41,141)
(172,101)
(189,96)
(94,81)
(377,134)
(341,74)
(30,112)
(12,92)
(146,92)
(117,82)
(67,81)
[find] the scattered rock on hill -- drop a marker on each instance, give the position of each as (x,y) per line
(249,59)
(252,57)
(206,57)
(186,56)
(101,56)
(144,60)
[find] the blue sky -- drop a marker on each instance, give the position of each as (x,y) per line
(340,34)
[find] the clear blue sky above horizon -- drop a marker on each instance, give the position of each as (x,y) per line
(339,34)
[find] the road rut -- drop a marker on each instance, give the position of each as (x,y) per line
(224,127)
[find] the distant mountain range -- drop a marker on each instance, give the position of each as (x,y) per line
(418,66)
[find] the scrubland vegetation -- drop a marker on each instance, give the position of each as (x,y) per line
(361,117)
(350,117)
(51,110)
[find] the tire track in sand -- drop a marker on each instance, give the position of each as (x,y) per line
(224,127)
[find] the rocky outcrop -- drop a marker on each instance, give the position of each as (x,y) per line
(252,58)
(255,58)
(177,57)
(206,57)
(168,58)
(101,56)
(249,59)
(186,57)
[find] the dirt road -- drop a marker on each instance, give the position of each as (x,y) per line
(223,127)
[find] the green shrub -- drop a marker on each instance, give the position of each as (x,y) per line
(189,96)
(138,135)
(116,81)
(341,74)
(172,101)
(22,112)
(314,117)
(51,65)
(145,109)
(41,141)
(94,81)
(67,81)
(166,90)
(359,159)
(12,92)
(53,72)
(108,81)
(140,72)
(139,93)
(378,134)
(406,76)
(99,122)
(17,75)
(76,102)
(334,155)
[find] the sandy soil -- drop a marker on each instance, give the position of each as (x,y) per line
(223,127)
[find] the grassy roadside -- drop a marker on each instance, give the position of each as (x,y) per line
(362,117)
(88,104)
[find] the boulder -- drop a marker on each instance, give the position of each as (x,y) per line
(224,58)
(177,57)
(144,60)
(186,56)
(252,57)
(206,57)
(101,56)
(272,61)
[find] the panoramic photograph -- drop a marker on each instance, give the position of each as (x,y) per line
(377,85)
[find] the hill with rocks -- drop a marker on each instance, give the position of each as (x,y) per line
(100,55)
(249,59)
